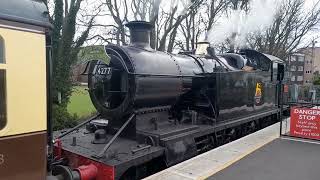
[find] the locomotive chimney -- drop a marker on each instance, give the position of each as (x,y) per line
(140,33)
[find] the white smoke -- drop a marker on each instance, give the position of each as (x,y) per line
(182,6)
(259,18)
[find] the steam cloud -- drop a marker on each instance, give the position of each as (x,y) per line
(183,5)
(259,18)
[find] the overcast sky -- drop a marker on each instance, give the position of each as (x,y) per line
(315,33)
(89,5)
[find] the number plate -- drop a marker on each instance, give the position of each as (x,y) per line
(104,70)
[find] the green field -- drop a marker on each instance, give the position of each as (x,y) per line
(80,102)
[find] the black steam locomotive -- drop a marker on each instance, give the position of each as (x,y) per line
(157,109)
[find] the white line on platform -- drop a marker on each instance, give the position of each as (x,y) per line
(301,140)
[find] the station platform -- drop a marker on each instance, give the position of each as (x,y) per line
(262,155)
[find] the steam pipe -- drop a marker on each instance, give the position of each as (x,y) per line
(76,127)
(102,153)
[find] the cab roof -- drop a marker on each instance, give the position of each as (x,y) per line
(274,58)
(269,56)
(33,12)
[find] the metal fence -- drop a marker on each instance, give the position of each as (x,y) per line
(302,94)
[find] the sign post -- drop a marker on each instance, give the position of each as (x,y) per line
(305,123)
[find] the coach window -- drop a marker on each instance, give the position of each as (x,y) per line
(2,59)
(3,108)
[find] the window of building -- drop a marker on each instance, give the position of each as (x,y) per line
(299,78)
(293,78)
(293,58)
(3,104)
(300,68)
(293,68)
(300,58)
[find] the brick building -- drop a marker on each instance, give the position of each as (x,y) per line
(296,67)
(304,65)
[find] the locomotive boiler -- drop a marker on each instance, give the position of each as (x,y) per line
(157,109)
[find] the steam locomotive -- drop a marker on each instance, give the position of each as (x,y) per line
(157,109)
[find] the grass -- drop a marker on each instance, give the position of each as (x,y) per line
(80,103)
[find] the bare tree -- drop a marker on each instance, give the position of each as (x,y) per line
(147,10)
(182,28)
(199,22)
(172,21)
(65,43)
(290,26)
(240,4)
(119,10)
(190,28)
(213,9)
(163,36)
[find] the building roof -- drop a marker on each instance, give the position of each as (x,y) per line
(32,12)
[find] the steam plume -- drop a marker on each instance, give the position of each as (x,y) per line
(259,18)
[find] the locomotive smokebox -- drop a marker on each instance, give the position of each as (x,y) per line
(140,33)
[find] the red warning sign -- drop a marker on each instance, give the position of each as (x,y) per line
(305,122)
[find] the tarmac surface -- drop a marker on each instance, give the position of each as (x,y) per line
(207,164)
(281,159)
(263,155)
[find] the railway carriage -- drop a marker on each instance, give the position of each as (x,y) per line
(23,89)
